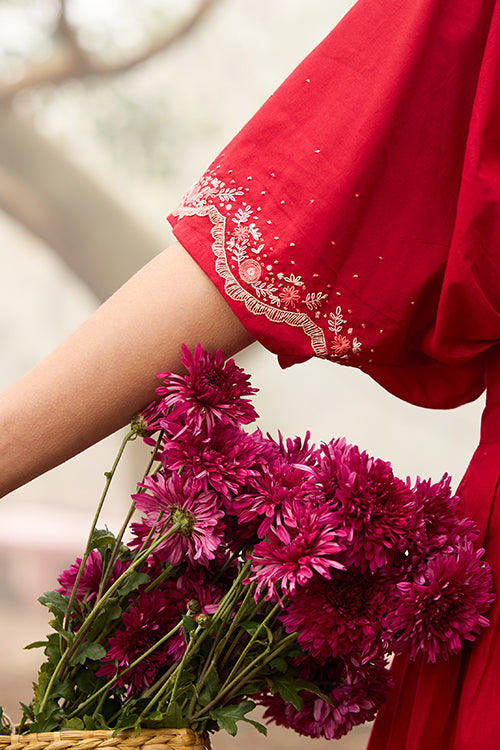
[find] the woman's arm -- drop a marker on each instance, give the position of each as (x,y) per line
(103,373)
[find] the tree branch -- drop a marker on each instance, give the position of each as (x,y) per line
(73,61)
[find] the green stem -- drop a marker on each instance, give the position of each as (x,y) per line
(219,643)
(164,575)
(123,672)
(277,607)
(185,659)
(131,435)
(121,533)
(230,688)
(68,653)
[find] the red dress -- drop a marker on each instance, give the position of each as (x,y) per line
(356,218)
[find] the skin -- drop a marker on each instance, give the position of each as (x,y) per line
(105,371)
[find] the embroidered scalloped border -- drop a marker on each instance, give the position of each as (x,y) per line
(236,292)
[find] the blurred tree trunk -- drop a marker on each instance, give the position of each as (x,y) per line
(54,197)
(59,202)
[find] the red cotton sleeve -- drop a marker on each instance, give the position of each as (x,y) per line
(345,218)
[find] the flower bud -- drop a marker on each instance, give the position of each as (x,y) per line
(202,620)
(193,607)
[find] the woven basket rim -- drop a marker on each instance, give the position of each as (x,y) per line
(106,738)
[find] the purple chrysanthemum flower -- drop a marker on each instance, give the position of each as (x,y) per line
(212,390)
(151,617)
(90,581)
(354,695)
(280,489)
(375,508)
(148,421)
(291,554)
(443,606)
(341,616)
(179,499)
(222,458)
(440,528)
(296,450)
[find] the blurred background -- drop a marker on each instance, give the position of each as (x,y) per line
(108,112)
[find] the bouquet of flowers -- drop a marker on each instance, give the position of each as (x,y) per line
(253,571)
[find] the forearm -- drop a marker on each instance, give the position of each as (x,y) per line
(105,372)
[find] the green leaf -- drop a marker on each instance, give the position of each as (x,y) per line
(72,724)
(252,688)
(173,717)
(36,644)
(126,722)
(132,582)
(289,688)
(53,648)
(63,690)
(280,664)
(55,602)
(86,681)
(102,538)
(28,711)
(188,626)
(210,688)
(251,626)
(258,726)
(88,650)
(227,716)
(96,721)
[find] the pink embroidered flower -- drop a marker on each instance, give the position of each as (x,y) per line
(289,296)
(179,499)
(290,555)
(340,616)
(211,390)
(340,346)
(241,234)
(444,605)
(250,270)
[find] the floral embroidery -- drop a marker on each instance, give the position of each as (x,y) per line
(244,259)
(250,270)
(289,296)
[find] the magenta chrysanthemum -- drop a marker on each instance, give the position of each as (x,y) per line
(375,508)
(179,500)
(91,577)
(444,606)
(280,489)
(440,528)
(291,554)
(222,459)
(148,421)
(212,390)
(146,622)
(340,616)
(354,696)
(296,450)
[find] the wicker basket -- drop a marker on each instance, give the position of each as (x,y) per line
(148,739)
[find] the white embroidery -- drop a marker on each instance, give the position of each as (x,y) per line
(242,256)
